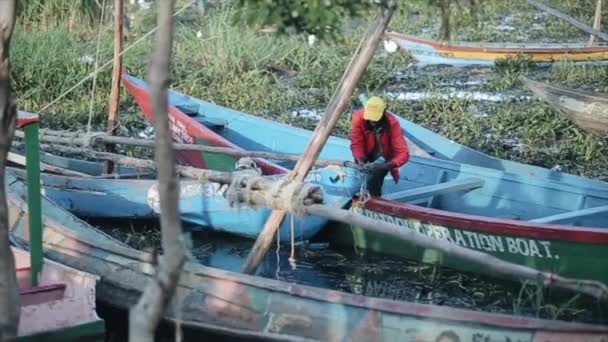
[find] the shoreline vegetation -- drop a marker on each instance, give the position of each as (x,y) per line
(244,68)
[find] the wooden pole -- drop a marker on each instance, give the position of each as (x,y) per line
(158,294)
(597,20)
(338,103)
(114,104)
(9,296)
(578,24)
(84,140)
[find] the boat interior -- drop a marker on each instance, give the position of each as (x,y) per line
(426,182)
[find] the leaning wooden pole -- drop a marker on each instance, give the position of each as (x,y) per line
(76,139)
(114,104)
(597,20)
(320,135)
(576,23)
(491,263)
(147,313)
(9,296)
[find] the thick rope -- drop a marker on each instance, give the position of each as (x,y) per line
(110,62)
(103,9)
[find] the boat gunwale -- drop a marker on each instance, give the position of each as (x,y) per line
(442,313)
(486,224)
(562,91)
(588,187)
(513,48)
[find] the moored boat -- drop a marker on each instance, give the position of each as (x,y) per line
(587,110)
(61,307)
(426,51)
(204,204)
(460,202)
(241,305)
(441,147)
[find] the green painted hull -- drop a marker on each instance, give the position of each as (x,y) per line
(567,258)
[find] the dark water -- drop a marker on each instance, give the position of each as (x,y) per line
(371,274)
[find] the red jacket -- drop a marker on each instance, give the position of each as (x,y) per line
(394,147)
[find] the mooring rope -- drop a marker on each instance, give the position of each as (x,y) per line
(110,62)
(292,257)
(278,271)
(96,65)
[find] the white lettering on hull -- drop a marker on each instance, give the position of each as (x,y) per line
(471,239)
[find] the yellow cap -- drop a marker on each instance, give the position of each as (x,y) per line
(374,108)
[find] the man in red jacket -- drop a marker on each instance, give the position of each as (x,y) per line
(378,144)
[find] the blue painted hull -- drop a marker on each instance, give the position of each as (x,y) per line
(516,195)
(200,203)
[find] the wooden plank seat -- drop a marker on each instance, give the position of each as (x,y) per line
(570,216)
(33,295)
(41,294)
(192,110)
(465,184)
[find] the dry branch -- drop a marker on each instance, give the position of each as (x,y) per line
(9,297)
(147,313)
(79,139)
(449,250)
(576,23)
(148,166)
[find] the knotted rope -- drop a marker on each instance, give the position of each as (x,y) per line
(285,194)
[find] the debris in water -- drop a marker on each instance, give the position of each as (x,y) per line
(461,94)
(86,59)
(390,46)
(312,114)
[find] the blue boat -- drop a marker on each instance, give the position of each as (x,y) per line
(536,221)
(201,203)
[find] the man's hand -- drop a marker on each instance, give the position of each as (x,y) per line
(371,167)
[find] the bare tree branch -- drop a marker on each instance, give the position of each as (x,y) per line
(145,316)
(9,298)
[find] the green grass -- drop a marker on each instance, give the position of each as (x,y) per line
(237,66)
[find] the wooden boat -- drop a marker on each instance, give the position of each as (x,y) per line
(441,147)
(587,110)
(534,221)
(241,305)
(201,203)
(61,307)
(426,51)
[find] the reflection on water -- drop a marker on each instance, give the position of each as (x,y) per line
(375,275)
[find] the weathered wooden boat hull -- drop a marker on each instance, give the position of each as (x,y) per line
(61,307)
(214,117)
(202,204)
(578,253)
(426,52)
(514,198)
(249,306)
(447,149)
(588,111)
